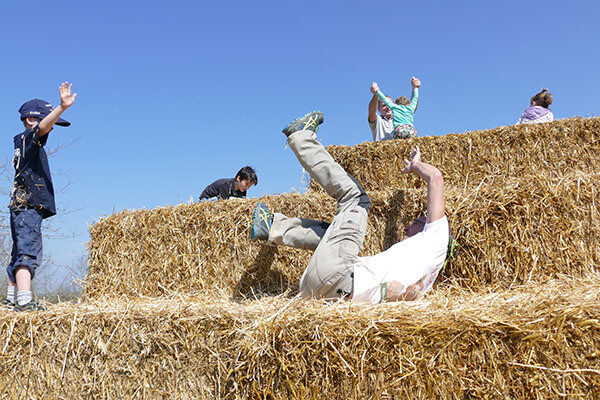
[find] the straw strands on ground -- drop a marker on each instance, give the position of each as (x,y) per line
(522,230)
(533,342)
(465,159)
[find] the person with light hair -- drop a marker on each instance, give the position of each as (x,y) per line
(382,124)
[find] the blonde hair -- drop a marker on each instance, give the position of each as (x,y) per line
(402,101)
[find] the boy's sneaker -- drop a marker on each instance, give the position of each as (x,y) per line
(262,222)
(33,305)
(8,304)
(310,121)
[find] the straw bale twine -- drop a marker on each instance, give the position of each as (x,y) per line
(511,151)
(518,231)
(533,342)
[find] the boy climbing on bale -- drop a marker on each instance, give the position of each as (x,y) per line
(405,271)
(403,111)
(32,198)
(234,187)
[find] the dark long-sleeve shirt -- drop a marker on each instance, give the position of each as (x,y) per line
(222,188)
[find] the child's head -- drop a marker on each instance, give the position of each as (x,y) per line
(542,99)
(245,178)
(402,101)
(33,111)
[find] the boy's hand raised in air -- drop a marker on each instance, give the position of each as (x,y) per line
(66,98)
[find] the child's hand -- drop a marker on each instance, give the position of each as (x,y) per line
(374,88)
(66,99)
(415,82)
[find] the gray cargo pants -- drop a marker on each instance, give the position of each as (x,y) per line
(329,272)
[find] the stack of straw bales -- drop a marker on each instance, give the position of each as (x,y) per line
(524,230)
(180,303)
(524,343)
(466,159)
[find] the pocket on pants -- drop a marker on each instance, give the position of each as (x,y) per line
(350,225)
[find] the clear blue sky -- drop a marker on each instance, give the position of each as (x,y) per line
(175,94)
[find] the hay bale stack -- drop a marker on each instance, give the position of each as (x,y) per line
(522,150)
(526,343)
(525,230)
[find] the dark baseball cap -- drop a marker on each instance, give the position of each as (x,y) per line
(40,109)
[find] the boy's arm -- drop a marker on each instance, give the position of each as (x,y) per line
(207,193)
(66,100)
(211,190)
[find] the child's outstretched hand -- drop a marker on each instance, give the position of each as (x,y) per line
(415,156)
(374,87)
(415,82)
(66,98)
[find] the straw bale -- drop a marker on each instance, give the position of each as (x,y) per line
(523,230)
(532,342)
(511,151)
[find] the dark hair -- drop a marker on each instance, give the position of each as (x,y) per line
(247,173)
(402,101)
(543,98)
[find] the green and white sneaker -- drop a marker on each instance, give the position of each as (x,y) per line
(310,121)
(33,305)
(261,223)
(8,304)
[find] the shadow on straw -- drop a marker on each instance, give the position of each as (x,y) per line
(260,279)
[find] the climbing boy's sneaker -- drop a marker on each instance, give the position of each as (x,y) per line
(33,305)
(8,304)
(262,222)
(310,121)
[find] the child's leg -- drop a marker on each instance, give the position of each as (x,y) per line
(11,290)
(26,231)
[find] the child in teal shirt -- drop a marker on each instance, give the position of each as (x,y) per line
(403,111)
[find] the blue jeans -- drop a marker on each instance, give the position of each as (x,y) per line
(26,229)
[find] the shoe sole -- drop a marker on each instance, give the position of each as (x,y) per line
(258,217)
(306,122)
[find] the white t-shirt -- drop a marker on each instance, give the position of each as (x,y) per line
(381,128)
(414,263)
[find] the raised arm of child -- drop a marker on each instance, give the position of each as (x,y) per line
(66,100)
(416,84)
(375,90)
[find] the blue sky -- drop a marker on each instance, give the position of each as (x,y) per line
(174,95)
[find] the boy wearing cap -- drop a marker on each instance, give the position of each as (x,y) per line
(32,198)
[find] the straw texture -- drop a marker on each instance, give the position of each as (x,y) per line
(549,149)
(181,304)
(534,342)
(518,231)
